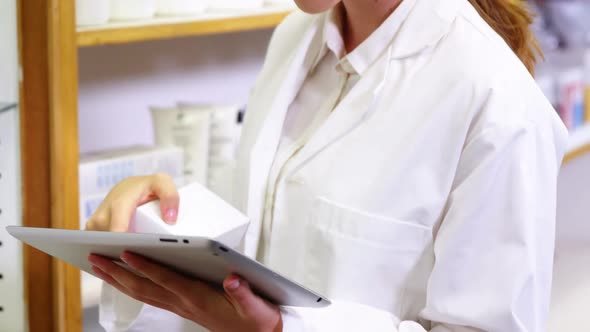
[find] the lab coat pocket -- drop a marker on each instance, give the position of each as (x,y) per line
(356,256)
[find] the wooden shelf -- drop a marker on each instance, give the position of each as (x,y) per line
(164,28)
(579,143)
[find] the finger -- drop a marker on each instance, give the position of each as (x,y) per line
(247,303)
(134,285)
(105,277)
(121,213)
(172,281)
(98,221)
(163,187)
(109,280)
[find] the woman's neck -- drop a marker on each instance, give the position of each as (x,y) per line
(361,17)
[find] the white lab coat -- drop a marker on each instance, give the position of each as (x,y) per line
(427,198)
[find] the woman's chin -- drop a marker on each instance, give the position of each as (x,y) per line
(316,6)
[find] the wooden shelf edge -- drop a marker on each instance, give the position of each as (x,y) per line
(108,36)
(579,143)
(578,152)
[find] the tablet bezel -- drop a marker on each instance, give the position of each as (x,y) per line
(215,260)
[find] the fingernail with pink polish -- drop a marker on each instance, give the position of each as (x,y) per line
(170,216)
(234,284)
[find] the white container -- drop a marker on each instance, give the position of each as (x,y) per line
(126,10)
(230,5)
(221,179)
(180,7)
(92,12)
(223,152)
(186,127)
(587,85)
(201,213)
(224,123)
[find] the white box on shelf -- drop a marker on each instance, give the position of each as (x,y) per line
(126,10)
(181,7)
(99,172)
(201,213)
(92,12)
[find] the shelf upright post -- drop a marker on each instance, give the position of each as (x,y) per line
(49,154)
(64,154)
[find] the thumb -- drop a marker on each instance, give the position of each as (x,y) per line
(164,188)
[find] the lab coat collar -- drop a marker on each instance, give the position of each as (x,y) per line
(364,55)
(332,39)
(425,26)
(427,23)
(375,45)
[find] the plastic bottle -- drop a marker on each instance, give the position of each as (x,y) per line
(570,95)
(92,12)
(180,7)
(587,85)
(127,10)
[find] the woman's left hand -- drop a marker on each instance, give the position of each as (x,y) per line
(236,308)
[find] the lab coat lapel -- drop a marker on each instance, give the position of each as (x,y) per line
(286,83)
(361,101)
(413,38)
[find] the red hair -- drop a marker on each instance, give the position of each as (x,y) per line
(511,19)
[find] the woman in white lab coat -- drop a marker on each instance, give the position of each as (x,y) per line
(398,157)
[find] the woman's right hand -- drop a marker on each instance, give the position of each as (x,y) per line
(117,209)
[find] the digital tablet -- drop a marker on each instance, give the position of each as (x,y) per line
(195,257)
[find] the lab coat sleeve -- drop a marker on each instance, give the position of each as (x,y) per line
(494,246)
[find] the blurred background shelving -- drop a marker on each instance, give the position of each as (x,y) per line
(173,27)
(563,32)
